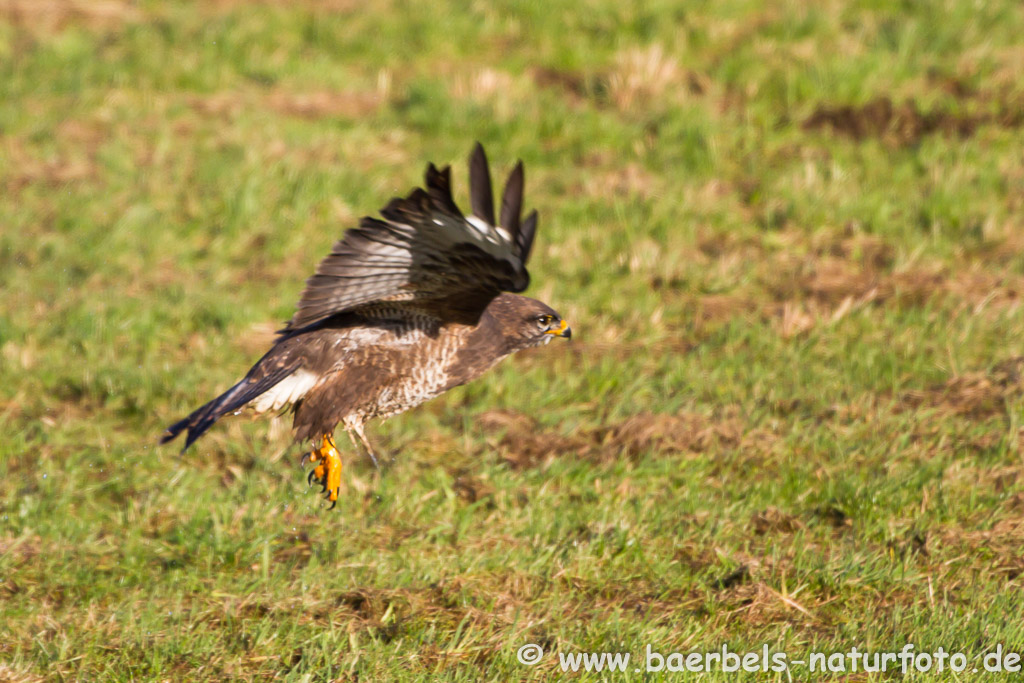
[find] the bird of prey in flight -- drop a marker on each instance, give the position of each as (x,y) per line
(404,308)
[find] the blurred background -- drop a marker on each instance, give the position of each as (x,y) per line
(788,238)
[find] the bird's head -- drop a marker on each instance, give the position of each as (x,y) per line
(527,322)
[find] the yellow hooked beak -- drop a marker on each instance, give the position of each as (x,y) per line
(562,330)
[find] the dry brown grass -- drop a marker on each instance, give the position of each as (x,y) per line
(326,6)
(316,105)
(806,281)
(481,84)
(306,105)
(997,547)
(643,75)
(639,78)
(11,674)
(712,308)
(620,180)
(25,169)
(975,394)
(523,444)
(48,16)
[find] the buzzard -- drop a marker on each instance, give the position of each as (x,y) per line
(404,308)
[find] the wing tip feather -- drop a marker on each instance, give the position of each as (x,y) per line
(481,194)
(512,200)
(439,189)
(524,240)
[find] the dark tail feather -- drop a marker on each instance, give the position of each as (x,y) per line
(200,420)
(255,383)
(171,433)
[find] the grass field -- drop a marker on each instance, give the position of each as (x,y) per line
(789,240)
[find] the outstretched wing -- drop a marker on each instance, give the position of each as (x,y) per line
(424,255)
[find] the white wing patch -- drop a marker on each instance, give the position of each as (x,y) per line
(287,391)
(496,241)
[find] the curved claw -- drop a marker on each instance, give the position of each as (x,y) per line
(334,504)
(327,472)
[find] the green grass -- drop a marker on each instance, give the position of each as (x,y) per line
(789,243)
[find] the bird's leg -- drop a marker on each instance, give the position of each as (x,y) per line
(327,470)
(358,429)
(355,446)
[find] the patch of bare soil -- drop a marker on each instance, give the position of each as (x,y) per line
(1001,545)
(830,281)
(808,281)
(905,124)
(720,307)
(823,290)
(840,276)
(973,394)
(639,77)
(758,603)
(773,520)
(635,596)
(53,172)
(833,283)
(871,251)
(686,432)
(316,105)
(755,592)
(472,489)
(572,84)
(524,444)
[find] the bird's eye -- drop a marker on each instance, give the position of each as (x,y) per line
(545,319)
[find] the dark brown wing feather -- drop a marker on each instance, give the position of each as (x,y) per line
(481,196)
(425,256)
(512,200)
(524,240)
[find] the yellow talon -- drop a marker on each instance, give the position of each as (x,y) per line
(332,470)
(328,467)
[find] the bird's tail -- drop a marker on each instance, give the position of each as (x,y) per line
(259,380)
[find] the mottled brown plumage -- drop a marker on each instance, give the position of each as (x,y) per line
(403,309)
